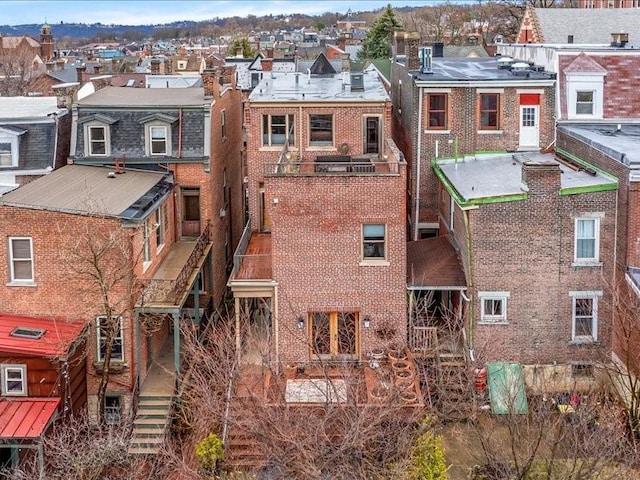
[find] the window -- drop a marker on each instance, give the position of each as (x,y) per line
(587,240)
(225,189)
(182,64)
(158,140)
(112,409)
(489,111)
(14,380)
(437,105)
(584,103)
(277,129)
(28,332)
(255,79)
(21,259)
(321,129)
(159,226)
(585,318)
(9,153)
(97,140)
(582,370)
(114,327)
(373,240)
(223,124)
(493,307)
(146,242)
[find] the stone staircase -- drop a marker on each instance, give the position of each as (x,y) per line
(243,452)
(151,424)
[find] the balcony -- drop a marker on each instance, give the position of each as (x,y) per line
(252,260)
(172,281)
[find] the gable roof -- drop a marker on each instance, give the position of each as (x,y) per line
(587,25)
(59,335)
(584,63)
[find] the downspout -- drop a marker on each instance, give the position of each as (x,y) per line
(55,140)
(419,162)
(470,316)
(276,323)
(180,133)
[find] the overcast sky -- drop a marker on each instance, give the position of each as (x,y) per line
(141,12)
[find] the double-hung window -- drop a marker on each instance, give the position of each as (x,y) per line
(277,130)
(20,260)
(584,102)
(159,226)
(493,307)
(584,326)
(587,240)
(373,241)
(437,111)
(110,329)
(321,129)
(489,111)
(97,140)
(14,380)
(158,140)
(9,153)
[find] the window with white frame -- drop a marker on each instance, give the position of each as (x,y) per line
(321,129)
(277,130)
(373,241)
(9,149)
(585,92)
(584,323)
(146,242)
(97,140)
(20,259)
(587,240)
(110,329)
(158,139)
(493,307)
(584,102)
(223,124)
(14,380)
(159,226)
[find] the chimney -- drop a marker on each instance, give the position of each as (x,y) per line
(168,66)
(66,93)
(399,43)
(541,178)
(49,66)
(438,50)
(97,69)
(227,75)
(342,43)
(619,39)
(210,82)
(346,64)
(413,51)
(80,73)
(267,64)
(270,52)
(154,66)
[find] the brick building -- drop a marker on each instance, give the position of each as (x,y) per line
(453,107)
(536,238)
(321,266)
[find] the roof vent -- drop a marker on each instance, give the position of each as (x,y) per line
(520,69)
(28,332)
(426,55)
(504,63)
(619,39)
(357,82)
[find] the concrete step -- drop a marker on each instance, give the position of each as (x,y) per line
(146,413)
(140,441)
(163,403)
(143,450)
(148,431)
(149,422)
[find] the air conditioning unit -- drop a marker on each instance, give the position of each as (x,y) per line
(223,212)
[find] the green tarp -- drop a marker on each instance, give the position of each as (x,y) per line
(506,388)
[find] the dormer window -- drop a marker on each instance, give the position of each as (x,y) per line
(157,134)
(97,135)
(159,140)
(97,140)
(9,147)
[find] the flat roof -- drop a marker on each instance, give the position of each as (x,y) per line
(145,97)
(476,69)
(327,88)
(59,334)
(26,418)
(621,144)
(85,189)
(491,176)
(12,108)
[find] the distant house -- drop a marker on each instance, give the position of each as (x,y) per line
(42,378)
(34,138)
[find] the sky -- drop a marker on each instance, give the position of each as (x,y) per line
(143,12)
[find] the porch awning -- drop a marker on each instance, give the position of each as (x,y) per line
(26,418)
(433,263)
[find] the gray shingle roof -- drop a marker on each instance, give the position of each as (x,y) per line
(588,26)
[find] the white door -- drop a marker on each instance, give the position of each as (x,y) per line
(529,126)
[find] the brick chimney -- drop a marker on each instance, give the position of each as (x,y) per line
(168,67)
(155,66)
(80,73)
(412,50)
(66,93)
(49,66)
(541,177)
(267,64)
(399,43)
(227,75)
(342,42)
(270,52)
(211,83)
(346,64)
(97,69)
(59,64)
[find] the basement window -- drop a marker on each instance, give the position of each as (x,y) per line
(27,332)
(582,370)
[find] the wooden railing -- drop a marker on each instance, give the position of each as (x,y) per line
(423,341)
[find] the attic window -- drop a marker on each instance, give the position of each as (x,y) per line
(27,332)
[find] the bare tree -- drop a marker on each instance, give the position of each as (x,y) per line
(18,66)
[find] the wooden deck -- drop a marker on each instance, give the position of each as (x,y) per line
(256,262)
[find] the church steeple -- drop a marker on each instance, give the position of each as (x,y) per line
(46,42)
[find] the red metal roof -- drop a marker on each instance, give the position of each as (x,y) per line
(58,337)
(26,417)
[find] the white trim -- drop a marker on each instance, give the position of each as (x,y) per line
(501,296)
(587,260)
(120,337)
(437,90)
(87,139)
(12,279)
(522,91)
(489,132)
(588,295)
(489,90)
(373,260)
(23,379)
(167,139)
(13,139)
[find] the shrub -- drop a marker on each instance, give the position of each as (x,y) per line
(427,457)
(209,450)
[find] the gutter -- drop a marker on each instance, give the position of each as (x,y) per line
(419,162)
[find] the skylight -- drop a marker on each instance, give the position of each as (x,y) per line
(28,332)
